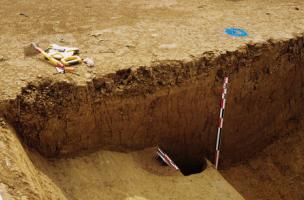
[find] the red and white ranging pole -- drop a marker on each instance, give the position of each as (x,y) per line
(165,158)
(221,122)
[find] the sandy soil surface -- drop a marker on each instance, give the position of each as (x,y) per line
(135,176)
(19,178)
(276,173)
(121,34)
(101,175)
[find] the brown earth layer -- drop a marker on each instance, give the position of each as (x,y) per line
(275,173)
(173,104)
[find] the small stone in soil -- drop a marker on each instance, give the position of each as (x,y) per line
(23,14)
(2,58)
(2,123)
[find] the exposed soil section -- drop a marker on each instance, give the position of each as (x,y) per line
(173,104)
(157,82)
(275,173)
(20,179)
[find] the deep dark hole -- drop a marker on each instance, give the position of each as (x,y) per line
(187,165)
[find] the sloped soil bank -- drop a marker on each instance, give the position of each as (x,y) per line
(172,104)
(275,173)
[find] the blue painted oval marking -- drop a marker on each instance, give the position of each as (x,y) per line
(236,32)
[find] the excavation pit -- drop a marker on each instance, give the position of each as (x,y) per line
(131,110)
(157,82)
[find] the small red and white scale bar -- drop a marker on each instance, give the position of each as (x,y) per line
(221,122)
(166,159)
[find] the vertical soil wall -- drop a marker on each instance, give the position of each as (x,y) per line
(173,104)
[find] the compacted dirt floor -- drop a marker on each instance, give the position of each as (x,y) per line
(134,176)
(101,175)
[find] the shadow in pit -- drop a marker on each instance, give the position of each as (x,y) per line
(187,165)
(193,167)
(151,162)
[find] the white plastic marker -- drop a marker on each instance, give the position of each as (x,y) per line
(1,197)
(221,122)
(166,159)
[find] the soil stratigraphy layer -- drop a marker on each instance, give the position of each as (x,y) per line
(276,173)
(172,104)
(158,74)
